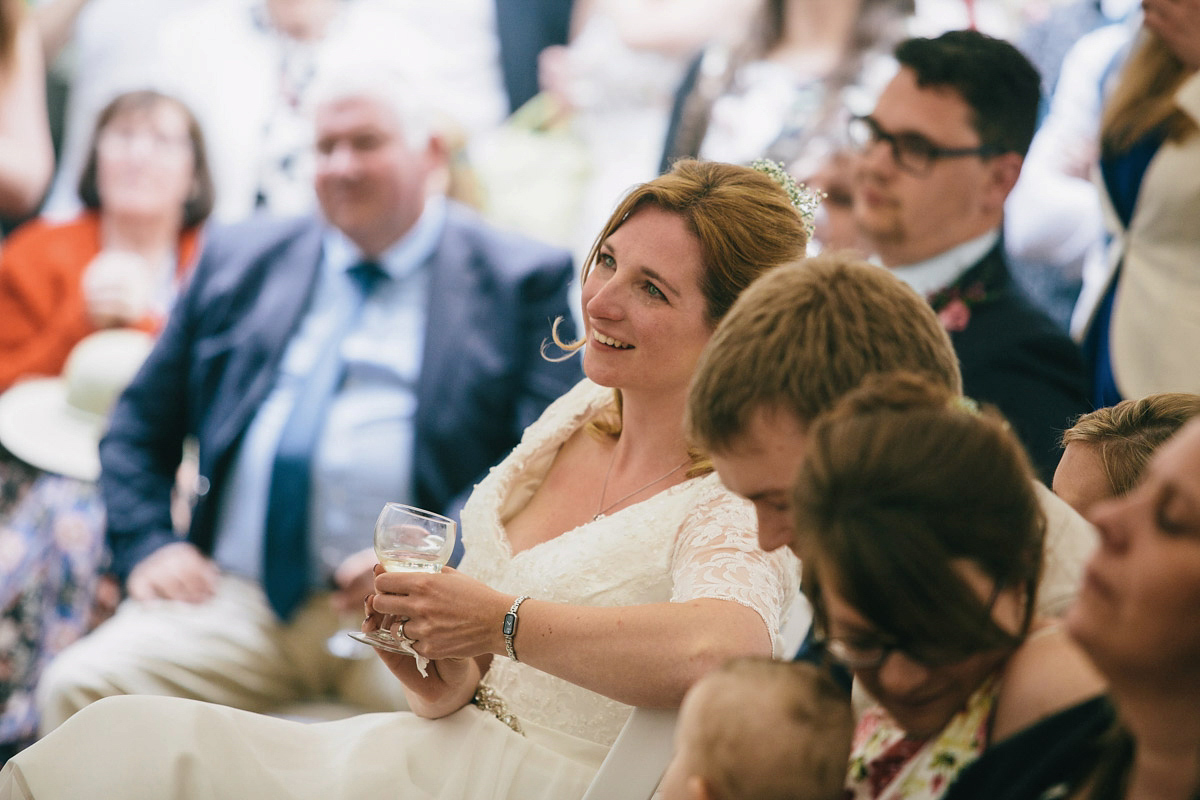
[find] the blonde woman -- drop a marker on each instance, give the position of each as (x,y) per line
(1106,451)
(1148,312)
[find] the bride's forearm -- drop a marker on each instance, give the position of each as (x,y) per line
(640,655)
(646,655)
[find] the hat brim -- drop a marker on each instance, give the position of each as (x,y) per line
(40,428)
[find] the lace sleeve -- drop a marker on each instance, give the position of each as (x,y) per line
(717,555)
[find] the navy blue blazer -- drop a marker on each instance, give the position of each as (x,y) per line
(526,28)
(1014,357)
(493,296)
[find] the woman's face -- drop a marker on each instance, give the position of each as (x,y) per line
(836,228)
(1176,24)
(921,697)
(145,167)
(643,308)
(1137,612)
(302,19)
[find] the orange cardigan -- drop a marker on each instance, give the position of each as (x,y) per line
(42,310)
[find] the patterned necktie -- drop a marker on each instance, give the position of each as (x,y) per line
(285,545)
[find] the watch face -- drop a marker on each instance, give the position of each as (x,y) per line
(510,624)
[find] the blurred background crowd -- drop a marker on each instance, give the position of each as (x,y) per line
(129,126)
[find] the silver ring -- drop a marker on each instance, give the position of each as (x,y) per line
(400,629)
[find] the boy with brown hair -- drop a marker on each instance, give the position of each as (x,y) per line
(798,339)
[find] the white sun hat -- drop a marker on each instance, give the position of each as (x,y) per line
(55,424)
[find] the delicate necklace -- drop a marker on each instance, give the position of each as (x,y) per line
(607,475)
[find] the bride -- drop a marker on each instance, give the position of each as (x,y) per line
(623,567)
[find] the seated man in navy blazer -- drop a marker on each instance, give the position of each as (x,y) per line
(429,328)
(939,155)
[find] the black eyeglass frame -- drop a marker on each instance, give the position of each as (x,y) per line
(832,647)
(927,153)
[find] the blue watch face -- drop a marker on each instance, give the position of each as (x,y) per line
(510,624)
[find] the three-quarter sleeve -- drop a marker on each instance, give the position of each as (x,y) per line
(716,556)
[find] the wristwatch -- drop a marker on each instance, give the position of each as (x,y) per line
(509,627)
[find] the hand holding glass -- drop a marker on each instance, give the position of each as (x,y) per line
(407,539)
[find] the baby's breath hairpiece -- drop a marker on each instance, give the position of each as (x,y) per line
(964,404)
(804,199)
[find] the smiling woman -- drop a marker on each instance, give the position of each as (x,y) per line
(643,307)
(147,190)
(599,573)
(904,488)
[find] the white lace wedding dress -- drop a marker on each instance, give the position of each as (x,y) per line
(693,540)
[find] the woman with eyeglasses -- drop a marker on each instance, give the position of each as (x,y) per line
(147,191)
(117,265)
(921,539)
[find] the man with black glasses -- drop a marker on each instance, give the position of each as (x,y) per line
(937,158)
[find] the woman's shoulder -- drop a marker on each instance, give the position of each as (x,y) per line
(1044,760)
(570,411)
(43,251)
(540,441)
(713,505)
(41,232)
(1046,674)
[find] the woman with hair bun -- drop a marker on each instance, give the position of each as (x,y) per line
(921,539)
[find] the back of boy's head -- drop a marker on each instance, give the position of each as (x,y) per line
(803,335)
(773,730)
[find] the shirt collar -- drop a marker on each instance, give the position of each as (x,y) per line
(406,255)
(936,273)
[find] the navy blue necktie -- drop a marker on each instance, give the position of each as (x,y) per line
(285,545)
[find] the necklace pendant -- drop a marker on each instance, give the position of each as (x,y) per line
(598,517)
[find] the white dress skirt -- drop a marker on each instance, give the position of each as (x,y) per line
(693,540)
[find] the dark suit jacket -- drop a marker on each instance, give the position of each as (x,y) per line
(1014,357)
(525,29)
(493,296)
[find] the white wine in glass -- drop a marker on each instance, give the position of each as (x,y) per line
(408,539)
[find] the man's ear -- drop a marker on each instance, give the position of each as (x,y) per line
(437,151)
(697,789)
(436,158)
(1004,169)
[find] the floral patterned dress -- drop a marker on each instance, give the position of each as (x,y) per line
(51,552)
(886,764)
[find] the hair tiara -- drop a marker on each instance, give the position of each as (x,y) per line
(803,199)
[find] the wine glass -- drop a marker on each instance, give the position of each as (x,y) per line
(333,557)
(407,539)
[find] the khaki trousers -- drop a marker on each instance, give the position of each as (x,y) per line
(231,650)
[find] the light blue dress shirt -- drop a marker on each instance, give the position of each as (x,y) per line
(364,457)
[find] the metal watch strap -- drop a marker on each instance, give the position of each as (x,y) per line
(509,627)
